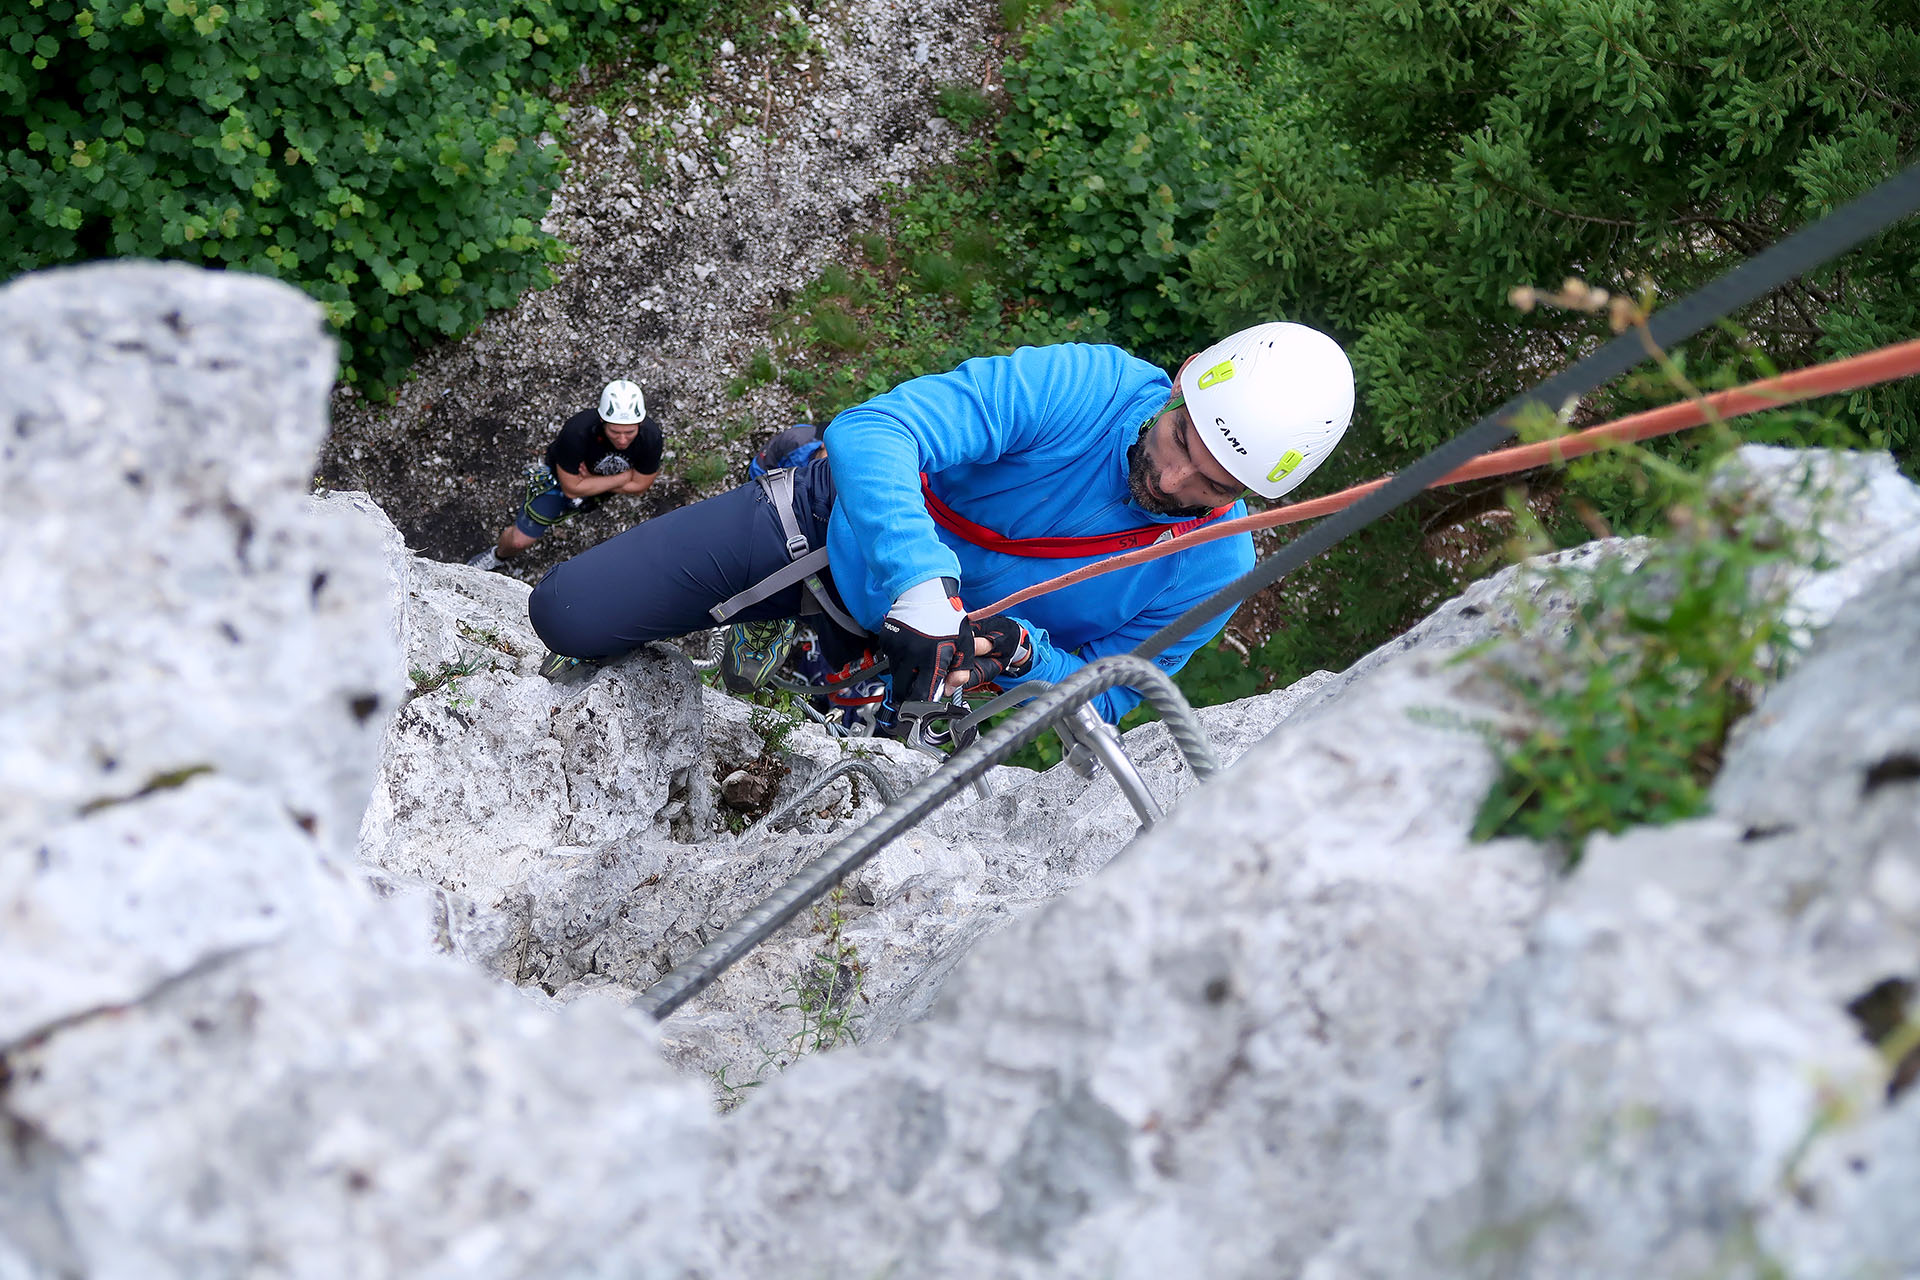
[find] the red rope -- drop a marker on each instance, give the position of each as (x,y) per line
(1902,360)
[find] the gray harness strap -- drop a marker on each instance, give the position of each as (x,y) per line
(804,564)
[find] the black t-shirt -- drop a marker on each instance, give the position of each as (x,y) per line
(582,442)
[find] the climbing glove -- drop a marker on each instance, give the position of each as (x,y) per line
(1011,653)
(926,637)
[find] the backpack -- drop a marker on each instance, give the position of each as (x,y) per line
(794,447)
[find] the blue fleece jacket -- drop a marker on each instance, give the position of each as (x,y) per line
(1030,445)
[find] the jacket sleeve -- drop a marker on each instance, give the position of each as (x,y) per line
(990,407)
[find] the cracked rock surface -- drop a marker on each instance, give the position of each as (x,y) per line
(220,1054)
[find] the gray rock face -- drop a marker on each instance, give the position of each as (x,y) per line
(1308,1029)
(219,1054)
(1302,1027)
(1669,1081)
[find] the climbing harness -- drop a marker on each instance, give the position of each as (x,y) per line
(804,564)
(1806,249)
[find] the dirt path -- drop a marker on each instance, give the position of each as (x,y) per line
(684,244)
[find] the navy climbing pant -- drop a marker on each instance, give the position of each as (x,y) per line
(657,580)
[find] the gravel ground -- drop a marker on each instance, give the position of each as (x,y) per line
(684,247)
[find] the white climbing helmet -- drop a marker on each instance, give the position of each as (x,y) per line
(622,403)
(1270,402)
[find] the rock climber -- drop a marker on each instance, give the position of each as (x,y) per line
(972,484)
(614,448)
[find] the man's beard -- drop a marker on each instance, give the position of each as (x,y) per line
(1140,470)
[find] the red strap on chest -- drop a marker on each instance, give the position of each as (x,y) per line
(1094,544)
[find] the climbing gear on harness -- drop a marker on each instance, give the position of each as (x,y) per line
(539,479)
(753,651)
(1096,544)
(623,403)
(927,725)
(804,565)
(542,483)
(1270,403)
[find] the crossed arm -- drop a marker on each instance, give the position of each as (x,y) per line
(584,484)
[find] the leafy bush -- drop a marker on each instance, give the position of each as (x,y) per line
(1121,148)
(386,159)
(1411,162)
(1632,706)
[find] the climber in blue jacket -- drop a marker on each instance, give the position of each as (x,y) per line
(972,484)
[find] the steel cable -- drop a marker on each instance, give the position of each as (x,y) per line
(834,864)
(814,785)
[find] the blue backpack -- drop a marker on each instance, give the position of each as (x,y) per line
(794,447)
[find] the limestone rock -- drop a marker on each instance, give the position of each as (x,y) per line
(219,1052)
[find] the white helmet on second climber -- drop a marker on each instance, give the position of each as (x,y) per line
(1270,402)
(622,403)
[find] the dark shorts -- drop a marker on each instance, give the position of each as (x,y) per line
(546,504)
(657,580)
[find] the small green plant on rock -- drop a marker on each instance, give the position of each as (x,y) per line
(826,992)
(425,681)
(448,676)
(1629,697)
(775,724)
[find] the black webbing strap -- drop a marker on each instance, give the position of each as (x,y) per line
(1759,275)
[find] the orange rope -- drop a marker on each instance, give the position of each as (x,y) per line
(1901,360)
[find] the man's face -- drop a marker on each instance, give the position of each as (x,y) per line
(1170,472)
(619,434)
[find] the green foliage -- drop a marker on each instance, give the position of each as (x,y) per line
(1122,148)
(825,996)
(826,993)
(941,292)
(1629,699)
(705,471)
(963,104)
(448,676)
(1412,162)
(774,725)
(384,159)
(837,328)
(759,372)
(446,673)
